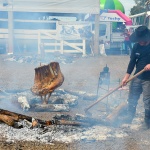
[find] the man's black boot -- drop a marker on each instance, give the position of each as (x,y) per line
(146,124)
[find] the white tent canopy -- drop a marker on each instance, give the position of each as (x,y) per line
(55,6)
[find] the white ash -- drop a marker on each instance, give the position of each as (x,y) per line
(27,99)
(60,133)
(67,134)
(24,103)
(59,107)
(37,58)
(53,107)
(66,98)
(69,99)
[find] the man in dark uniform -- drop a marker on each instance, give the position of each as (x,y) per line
(140,58)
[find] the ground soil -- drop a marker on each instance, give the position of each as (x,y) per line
(82,75)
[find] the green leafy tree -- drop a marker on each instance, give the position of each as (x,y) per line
(141,6)
(137,9)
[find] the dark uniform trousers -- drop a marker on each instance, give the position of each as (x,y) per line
(137,86)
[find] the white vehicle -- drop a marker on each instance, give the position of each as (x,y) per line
(111,37)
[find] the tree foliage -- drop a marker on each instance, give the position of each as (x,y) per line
(141,6)
(136,10)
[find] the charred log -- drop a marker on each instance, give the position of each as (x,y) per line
(10,118)
(7,119)
(73,123)
(14,116)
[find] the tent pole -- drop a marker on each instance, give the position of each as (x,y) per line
(10,32)
(96,36)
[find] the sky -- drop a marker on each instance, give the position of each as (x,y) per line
(128,4)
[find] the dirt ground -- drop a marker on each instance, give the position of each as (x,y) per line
(82,74)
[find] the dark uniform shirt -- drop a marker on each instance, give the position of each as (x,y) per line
(140,57)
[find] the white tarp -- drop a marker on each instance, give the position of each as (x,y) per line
(55,6)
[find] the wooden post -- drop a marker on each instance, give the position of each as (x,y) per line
(39,42)
(84,47)
(10,32)
(61,46)
(96,36)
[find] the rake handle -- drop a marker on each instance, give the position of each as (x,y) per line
(140,72)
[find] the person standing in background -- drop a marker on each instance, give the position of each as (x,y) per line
(127,42)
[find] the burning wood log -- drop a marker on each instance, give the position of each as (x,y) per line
(73,123)
(14,116)
(10,118)
(7,119)
(47,79)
